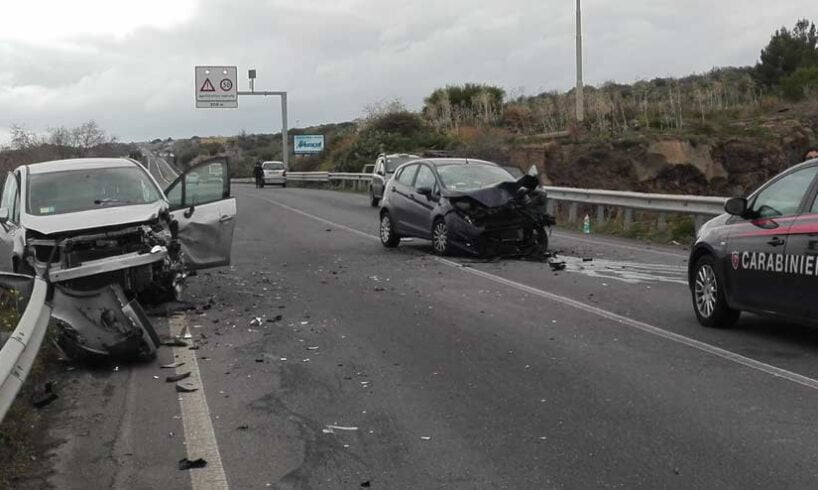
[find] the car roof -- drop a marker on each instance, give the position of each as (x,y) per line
(401,155)
(272,161)
(79,164)
(458,161)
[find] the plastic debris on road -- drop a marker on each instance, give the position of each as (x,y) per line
(173,365)
(330,429)
(186,464)
(178,377)
(43,398)
(425,438)
(185,389)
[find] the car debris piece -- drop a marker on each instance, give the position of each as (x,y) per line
(185,389)
(172,365)
(174,342)
(187,334)
(425,438)
(43,398)
(102,323)
(314,347)
(328,429)
(243,427)
(366,484)
(178,377)
(557,265)
(276,318)
(186,464)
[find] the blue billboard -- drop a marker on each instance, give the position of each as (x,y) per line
(308,143)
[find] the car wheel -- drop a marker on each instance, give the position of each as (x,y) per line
(373,201)
(709,301)
(440,238)
(389,238)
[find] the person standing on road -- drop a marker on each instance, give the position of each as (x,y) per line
(258,173)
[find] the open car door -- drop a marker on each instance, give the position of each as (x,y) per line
(200,201)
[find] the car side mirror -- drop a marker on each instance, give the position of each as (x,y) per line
(4,215)
(736,206)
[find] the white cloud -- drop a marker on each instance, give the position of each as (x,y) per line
(129,65)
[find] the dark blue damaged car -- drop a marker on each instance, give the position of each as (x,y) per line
(464,205)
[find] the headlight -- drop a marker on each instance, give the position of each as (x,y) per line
(463,205)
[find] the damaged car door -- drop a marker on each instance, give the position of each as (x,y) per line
(205,212)
(10,234)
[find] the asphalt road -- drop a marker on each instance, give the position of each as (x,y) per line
(443,373)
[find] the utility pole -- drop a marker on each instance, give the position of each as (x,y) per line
(579,93)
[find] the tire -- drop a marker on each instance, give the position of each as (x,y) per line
(373,201)
(709,301)
(389,238)
(441,243)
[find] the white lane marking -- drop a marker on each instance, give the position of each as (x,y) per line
(630,322)
(317,218)
(607,243)
(681,339)
(200,437)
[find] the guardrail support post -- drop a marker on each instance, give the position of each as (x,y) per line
(698,222)
(661,222)
(600,214)
(628,218)
(572,212)
(551,207)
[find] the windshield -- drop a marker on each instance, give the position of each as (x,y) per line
(472,176)
(81,190)
(393,163)
(272,166)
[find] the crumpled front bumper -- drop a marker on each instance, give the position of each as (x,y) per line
(102,323)
(510,240)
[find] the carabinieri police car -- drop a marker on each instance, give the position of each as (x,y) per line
(762,255)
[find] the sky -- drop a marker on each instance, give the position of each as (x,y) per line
(129,65)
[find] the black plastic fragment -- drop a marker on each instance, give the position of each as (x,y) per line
(186,464)
(44,398)
(178,377)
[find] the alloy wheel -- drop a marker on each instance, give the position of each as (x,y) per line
(706,290)
(386,228)
(440,237)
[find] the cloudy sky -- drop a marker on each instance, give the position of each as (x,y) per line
(129,64)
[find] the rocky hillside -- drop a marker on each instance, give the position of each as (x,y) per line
(730,163)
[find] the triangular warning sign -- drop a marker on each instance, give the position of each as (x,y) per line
(207,86)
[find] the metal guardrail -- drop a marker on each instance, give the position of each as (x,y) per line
(698,206)
(662,203)
(18,353)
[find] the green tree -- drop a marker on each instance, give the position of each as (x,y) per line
(800,84)
(787,51)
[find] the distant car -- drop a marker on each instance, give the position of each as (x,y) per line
(469,205)
(275,173)
(103,233)
(385,167)
(762,255)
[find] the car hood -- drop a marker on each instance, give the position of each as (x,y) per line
(94,218)
(498,194)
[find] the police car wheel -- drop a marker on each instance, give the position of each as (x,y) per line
(709,302)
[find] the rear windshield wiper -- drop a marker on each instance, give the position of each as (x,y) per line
(111,200)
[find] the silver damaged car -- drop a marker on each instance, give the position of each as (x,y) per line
(104,235)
